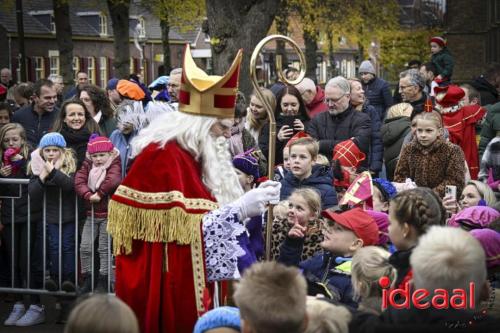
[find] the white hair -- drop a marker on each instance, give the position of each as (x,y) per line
(326,317)
(192,133)
(176,71)
(448,258)
(340,82)
(306,84)
(131,112)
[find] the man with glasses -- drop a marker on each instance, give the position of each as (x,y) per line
(341,122)
(411,88)
(174,84)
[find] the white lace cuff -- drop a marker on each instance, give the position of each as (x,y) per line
(220,229)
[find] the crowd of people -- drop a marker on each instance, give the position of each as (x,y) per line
(368,184)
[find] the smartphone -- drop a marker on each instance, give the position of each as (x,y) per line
(450,191)
(289,121)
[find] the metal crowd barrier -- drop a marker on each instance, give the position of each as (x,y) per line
(27,289)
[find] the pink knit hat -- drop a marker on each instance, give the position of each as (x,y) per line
(382,220)
(475,217)
(490,240)
(99,144)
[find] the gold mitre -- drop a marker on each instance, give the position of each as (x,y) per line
(208,95)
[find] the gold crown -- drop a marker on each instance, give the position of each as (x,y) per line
(208,95)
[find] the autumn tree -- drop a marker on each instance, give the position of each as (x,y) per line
(119,13)
(182,14)
(64,41)
(238,24)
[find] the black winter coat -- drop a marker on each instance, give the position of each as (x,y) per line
(56,184)
(264,138)
(488,92)
(376,146)
(393,133)
(330,130)
(378,93)
(321,179)
(34,124)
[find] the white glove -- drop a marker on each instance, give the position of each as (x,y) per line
(253,203)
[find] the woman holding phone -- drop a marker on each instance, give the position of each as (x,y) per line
(291,117)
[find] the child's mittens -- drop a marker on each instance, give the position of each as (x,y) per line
(12,157)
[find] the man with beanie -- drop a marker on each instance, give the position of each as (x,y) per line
(113,94)
(313,97)
(377,91)
(95,182)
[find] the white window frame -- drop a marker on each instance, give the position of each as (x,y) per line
(142,22)
(76,66)
(103,70)
(39,66)
(91,69)
(103,24)
(54,64)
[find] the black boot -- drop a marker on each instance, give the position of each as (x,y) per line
(86,285)
(102,284)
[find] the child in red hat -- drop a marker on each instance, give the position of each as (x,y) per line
(442,59)
(347,158)
(95,182)
(329,272)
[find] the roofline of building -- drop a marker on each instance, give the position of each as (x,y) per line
(90,38)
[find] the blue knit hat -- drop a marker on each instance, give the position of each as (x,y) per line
(385,187)
(52,139)
(225,316)
(248,164)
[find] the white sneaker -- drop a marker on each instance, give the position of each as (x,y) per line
(34,316)
(17,312)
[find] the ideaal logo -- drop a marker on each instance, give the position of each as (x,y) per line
(420,298)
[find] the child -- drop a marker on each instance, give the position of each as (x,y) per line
(383,192)
(272,298)
(329,273)
(225,319)
(347,158)
(15,153)
(324,317)
(102,314)
(411,212)
(281,170)
(95,182)
(304,172)
(442,59)
(429,160)
(52,168)
(252,242)
(5,113)
(280,218)
(304,207)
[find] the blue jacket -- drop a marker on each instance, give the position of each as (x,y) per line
(376,145)
(321,269)
(122,143)
(34,124)
(320,179)
(379,95)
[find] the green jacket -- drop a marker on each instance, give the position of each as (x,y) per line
(443,61)
(491,126)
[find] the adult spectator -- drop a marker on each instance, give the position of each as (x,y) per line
(412,64)
(472,95)
(377,91)
(58,82)
(114,97)
(488,84)
(174,85)
(97,104)
(313,97)
(490,126)
(23,93)
(81,79)
(38,116)
(6,78)
(342,121)
(428,71)
(411,88)
(291,73)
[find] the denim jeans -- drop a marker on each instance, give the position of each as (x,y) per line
(67,250)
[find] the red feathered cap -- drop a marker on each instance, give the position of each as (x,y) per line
(297,136)
(453,95)
(348,154)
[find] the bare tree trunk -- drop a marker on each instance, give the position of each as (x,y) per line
(64,42)
(282,28)
(311,42)
(119,12)
(238,24)
(165,29)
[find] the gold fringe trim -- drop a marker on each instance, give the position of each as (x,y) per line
(126,223)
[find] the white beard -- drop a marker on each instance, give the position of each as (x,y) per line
(192,133)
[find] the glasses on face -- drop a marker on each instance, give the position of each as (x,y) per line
(172,85)
(405,87)
(333,100)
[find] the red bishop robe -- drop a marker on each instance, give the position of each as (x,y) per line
(462,128)
(155,220)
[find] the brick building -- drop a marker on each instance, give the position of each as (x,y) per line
(473,34)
